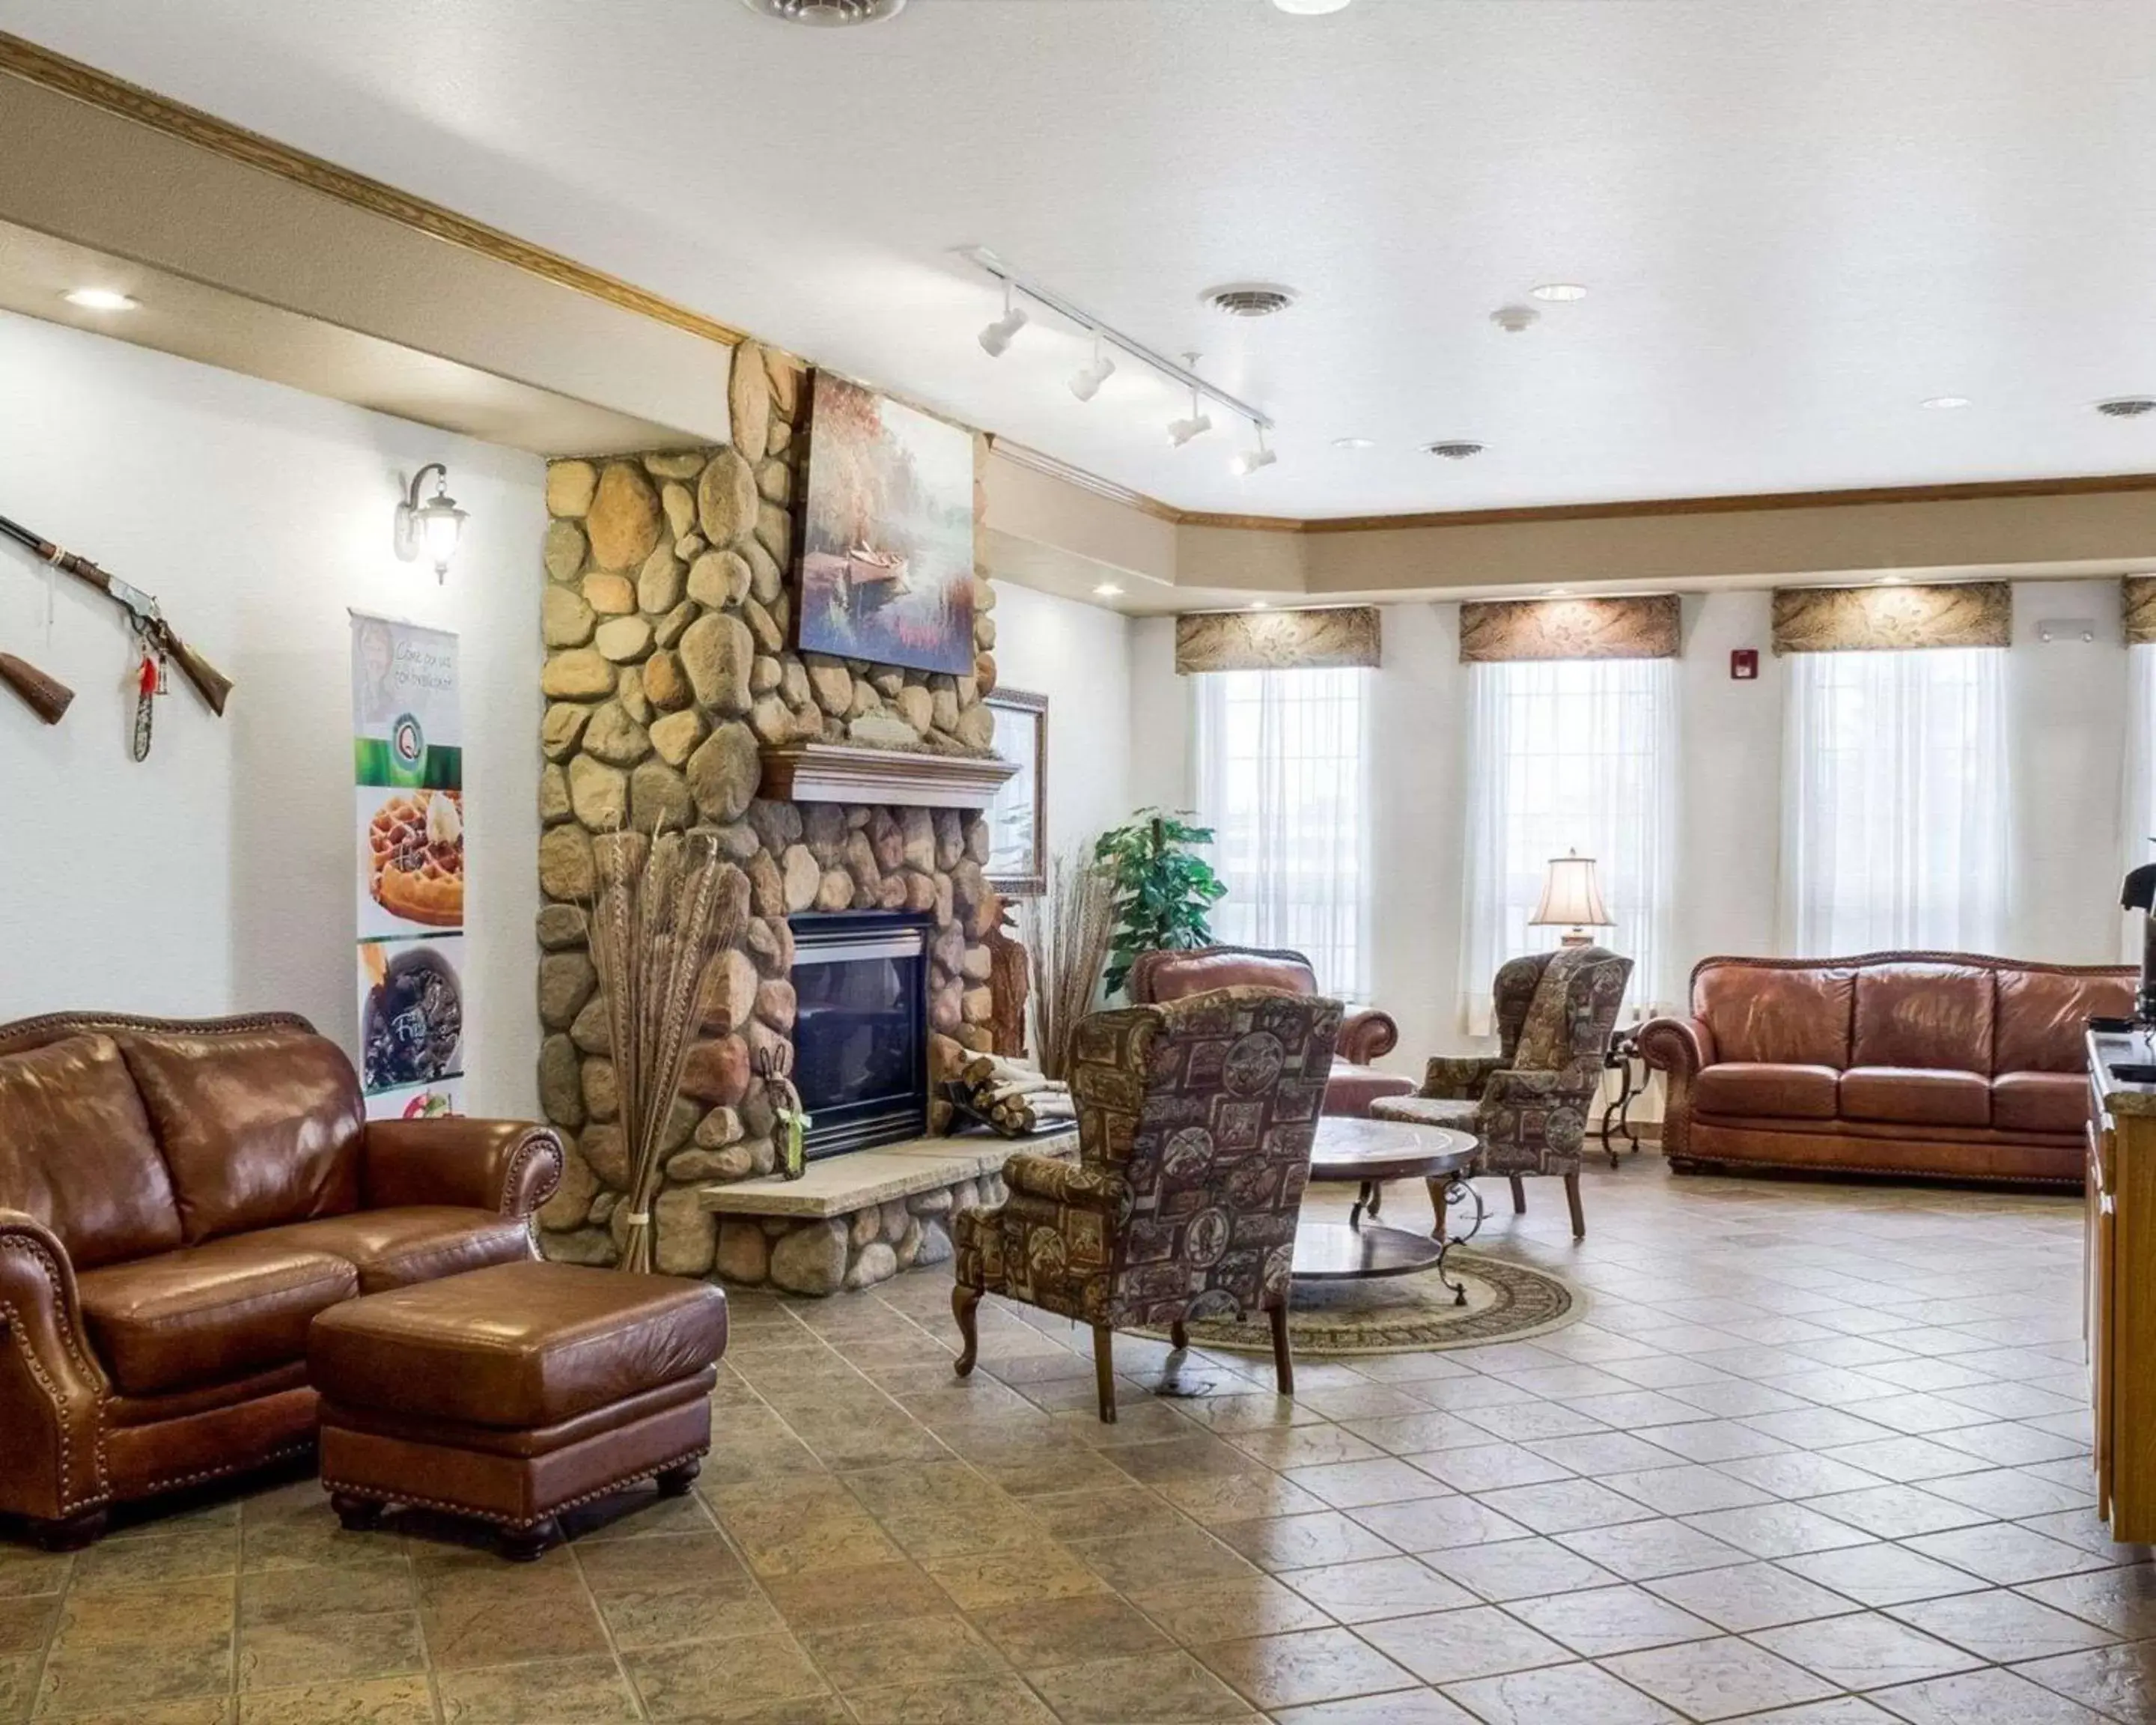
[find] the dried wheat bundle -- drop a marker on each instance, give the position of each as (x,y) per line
(1068,929)
(659,913)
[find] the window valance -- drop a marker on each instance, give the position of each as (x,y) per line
(1504,630)
(2138,608)
(1858,619)
(1326,637)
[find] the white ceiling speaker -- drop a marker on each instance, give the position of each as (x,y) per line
(997,336)
(1248,298)
(828,12)
(1453,449)
(1513,318)
(2127,406)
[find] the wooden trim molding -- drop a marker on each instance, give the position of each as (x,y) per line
(1858,619)
(843,772)
(1505,631)
(33,65)
(1321,638)
(2138,608)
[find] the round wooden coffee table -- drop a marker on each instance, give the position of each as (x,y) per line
(1370,1152)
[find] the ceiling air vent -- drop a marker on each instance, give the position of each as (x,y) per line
(2127,406)
(1250,299)
(1453,449)
(828,12)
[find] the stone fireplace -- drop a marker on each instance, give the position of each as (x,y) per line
(840,790)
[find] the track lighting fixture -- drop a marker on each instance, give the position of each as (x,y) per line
(997,336)
(1087,380)
(1181,431)
(1251,460)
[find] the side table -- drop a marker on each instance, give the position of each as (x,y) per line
(1622,1057)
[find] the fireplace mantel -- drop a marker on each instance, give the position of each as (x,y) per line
(845,772)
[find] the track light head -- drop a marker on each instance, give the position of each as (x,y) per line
(1251,460)
(1087,380)
(997,336)
(1181,431)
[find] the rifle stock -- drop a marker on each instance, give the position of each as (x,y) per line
(210,683)
(48,697)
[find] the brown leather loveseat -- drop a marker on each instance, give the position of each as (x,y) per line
(1944,1064)
(1158,977)
(177,1200)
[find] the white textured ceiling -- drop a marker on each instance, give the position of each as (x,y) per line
(1799,218)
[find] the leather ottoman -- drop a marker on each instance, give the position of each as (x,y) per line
(514,1393)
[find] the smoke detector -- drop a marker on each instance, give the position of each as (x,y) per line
(828,12)
(1248,298)
(1453,449)
(2127,406)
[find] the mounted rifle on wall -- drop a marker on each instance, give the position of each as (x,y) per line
(159,641)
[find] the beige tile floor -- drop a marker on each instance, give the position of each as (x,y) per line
(1817,1455)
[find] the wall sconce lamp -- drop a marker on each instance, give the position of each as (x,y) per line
(434,526)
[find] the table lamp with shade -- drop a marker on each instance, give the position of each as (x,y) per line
(1571,900)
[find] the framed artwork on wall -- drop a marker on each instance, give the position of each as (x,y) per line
(1017,818)
(887,541)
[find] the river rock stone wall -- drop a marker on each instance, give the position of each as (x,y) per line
(823,1255)
(668,626)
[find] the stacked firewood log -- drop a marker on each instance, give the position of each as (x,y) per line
(1014,1099)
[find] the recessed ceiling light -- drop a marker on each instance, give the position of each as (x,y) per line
(1557,593)
(1893,581)
(1261,605)
(1946,404)
(96,299)
(828,12)
(1354,442)
(1311,8)
(1558,293)
(1108,590)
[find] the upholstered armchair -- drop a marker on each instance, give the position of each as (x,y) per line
(1529,1104)
(1195,1121)
(1158,977)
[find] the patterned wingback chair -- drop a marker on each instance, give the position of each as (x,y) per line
(1529,1104)
(1194,1126)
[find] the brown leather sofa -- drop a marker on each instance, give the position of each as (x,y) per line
(1943,1063)
(177,1200)
(1158,977)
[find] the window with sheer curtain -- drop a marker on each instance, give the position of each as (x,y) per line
(1895,801)
(2138,803)
(1569,755)
(1282,773)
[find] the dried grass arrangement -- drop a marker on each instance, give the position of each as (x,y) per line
(660,910)
(1068,929)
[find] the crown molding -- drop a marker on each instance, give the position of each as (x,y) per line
(41,66)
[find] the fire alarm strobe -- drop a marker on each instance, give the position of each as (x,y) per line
(1744,663)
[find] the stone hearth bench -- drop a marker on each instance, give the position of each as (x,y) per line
(854,1220)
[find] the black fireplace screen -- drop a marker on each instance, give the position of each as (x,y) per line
(860,1029)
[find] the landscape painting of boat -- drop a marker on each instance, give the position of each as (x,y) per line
(887,563)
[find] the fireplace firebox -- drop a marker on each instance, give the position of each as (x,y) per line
(860,1030)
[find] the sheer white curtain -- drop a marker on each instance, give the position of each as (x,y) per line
(1895,801)
(1282,761)
(1570,755)
(2137,804)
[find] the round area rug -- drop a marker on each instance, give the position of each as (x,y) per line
(1408,1314)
